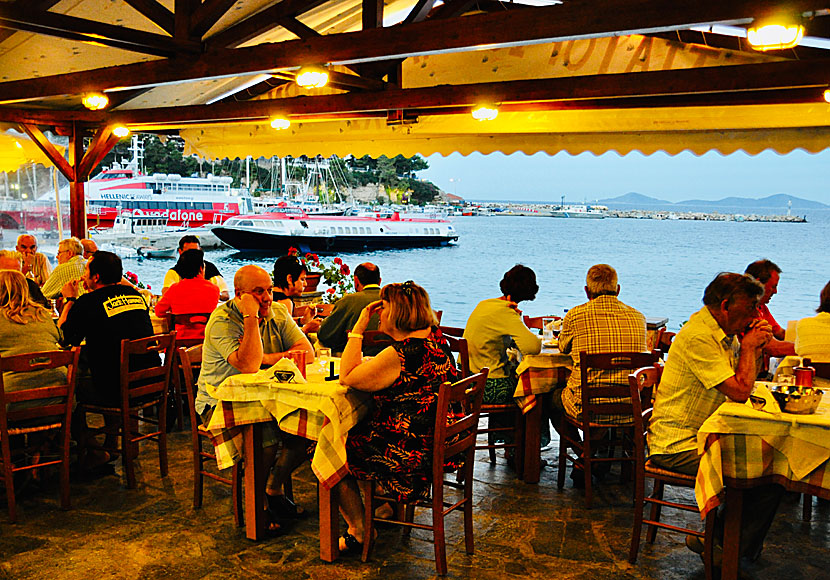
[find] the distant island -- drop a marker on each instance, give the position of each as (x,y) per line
(778,202)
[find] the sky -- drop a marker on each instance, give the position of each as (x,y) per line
(587,177)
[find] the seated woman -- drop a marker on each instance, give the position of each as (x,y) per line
(812,335)
(289,282)
(21,317)
(393,445)
(192,294)
(494,326)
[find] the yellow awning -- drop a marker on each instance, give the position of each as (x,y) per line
(20,150)
(753,129)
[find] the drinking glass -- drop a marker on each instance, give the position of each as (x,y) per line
(323,358)
(547,329)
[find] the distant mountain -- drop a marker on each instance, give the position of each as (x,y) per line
(747,205)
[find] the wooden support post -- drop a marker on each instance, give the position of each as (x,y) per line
(77,205)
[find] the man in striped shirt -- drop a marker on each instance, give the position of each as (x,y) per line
(71,264)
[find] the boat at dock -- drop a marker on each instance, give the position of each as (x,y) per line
(595,212)
(279,231)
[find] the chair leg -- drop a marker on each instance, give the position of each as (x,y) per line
(163,440)
(656,509)
(180,396)
(807,508)
(708,545)
(127,454)
(8,480)
(236,494)
(409,516)
(198,476)
(586,464)
(368,491)
(563,457)
(468,511)
(65,504)
(639,501)
(439,538)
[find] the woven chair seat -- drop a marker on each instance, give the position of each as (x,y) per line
(652,469)
(33,428)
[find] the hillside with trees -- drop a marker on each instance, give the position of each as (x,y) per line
(397,175)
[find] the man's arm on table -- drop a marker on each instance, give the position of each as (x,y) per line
(780,348)
(739,386)
(302,344)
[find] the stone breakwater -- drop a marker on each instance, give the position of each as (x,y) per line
(703,216)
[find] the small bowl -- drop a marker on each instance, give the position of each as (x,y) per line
(797,400)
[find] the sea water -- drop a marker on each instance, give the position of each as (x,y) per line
(663,265)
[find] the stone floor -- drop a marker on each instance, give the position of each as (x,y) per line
(521,531)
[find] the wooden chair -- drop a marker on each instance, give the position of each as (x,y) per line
(536,321)
(187,359)
(823,372)
(593,405)
(43,415)
(641,385)
(458,345)
(449,440)
(141,390)
(438,315)
(195,321)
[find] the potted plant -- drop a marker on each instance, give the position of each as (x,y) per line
(311,262)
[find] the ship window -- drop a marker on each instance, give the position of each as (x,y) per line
(206,205)
(246,223)
(339,230)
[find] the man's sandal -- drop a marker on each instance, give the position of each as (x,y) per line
(352,545)
(282,508)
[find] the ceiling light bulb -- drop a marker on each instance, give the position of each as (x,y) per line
(280,123)
(827,95)
(775,36)
(312,77)
(485,113)
(121,131)
(95,101)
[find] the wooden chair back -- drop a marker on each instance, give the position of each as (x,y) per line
(595,398)
(462,352)
(438,315)
(154,380)
(641,386)
(188,324)
(47,407)
(455,331)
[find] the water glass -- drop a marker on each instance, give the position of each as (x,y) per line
(323,358)
(547,329)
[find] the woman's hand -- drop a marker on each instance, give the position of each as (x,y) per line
(365,315)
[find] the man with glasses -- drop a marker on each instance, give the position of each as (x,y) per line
(35,265)
(241,336)
(71,264)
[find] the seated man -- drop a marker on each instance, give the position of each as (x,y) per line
(706,366)
(339,323)
(90,247)
(35,265)
(603,324)
(768,274)
(108,313)
(289,283)
(190,295)
(243,335)
(11,260)
(212,274)
(71,264)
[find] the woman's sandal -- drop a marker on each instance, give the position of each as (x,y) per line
(352,545)
(282,508)
(272,526)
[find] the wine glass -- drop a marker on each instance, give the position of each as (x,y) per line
(323,358)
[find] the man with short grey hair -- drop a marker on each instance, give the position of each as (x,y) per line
(70,267)
(11,260)
(34,264)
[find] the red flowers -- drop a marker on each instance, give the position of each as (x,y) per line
(338,261)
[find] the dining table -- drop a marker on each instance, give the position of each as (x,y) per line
(312,407)
(742,447)
(538,374)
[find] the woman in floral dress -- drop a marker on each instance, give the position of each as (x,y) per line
(394,444)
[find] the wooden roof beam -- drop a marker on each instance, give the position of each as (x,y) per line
(38,4)
(19,17)
(509,28)
(49,150)
(208,14)
(155,13)
(814,75)
(259,23)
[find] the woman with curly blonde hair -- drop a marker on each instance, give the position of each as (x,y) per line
(25,327)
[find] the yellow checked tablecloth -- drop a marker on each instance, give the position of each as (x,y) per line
(320,410)
(539,374)
(750,447)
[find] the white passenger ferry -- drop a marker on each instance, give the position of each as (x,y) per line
(279,231)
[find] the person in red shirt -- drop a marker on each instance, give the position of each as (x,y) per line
(768,273)
(191,295)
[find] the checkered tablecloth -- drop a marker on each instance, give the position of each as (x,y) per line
(538,374)
(748,447)
(320,410)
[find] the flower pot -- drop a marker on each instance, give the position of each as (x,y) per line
(312,279)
